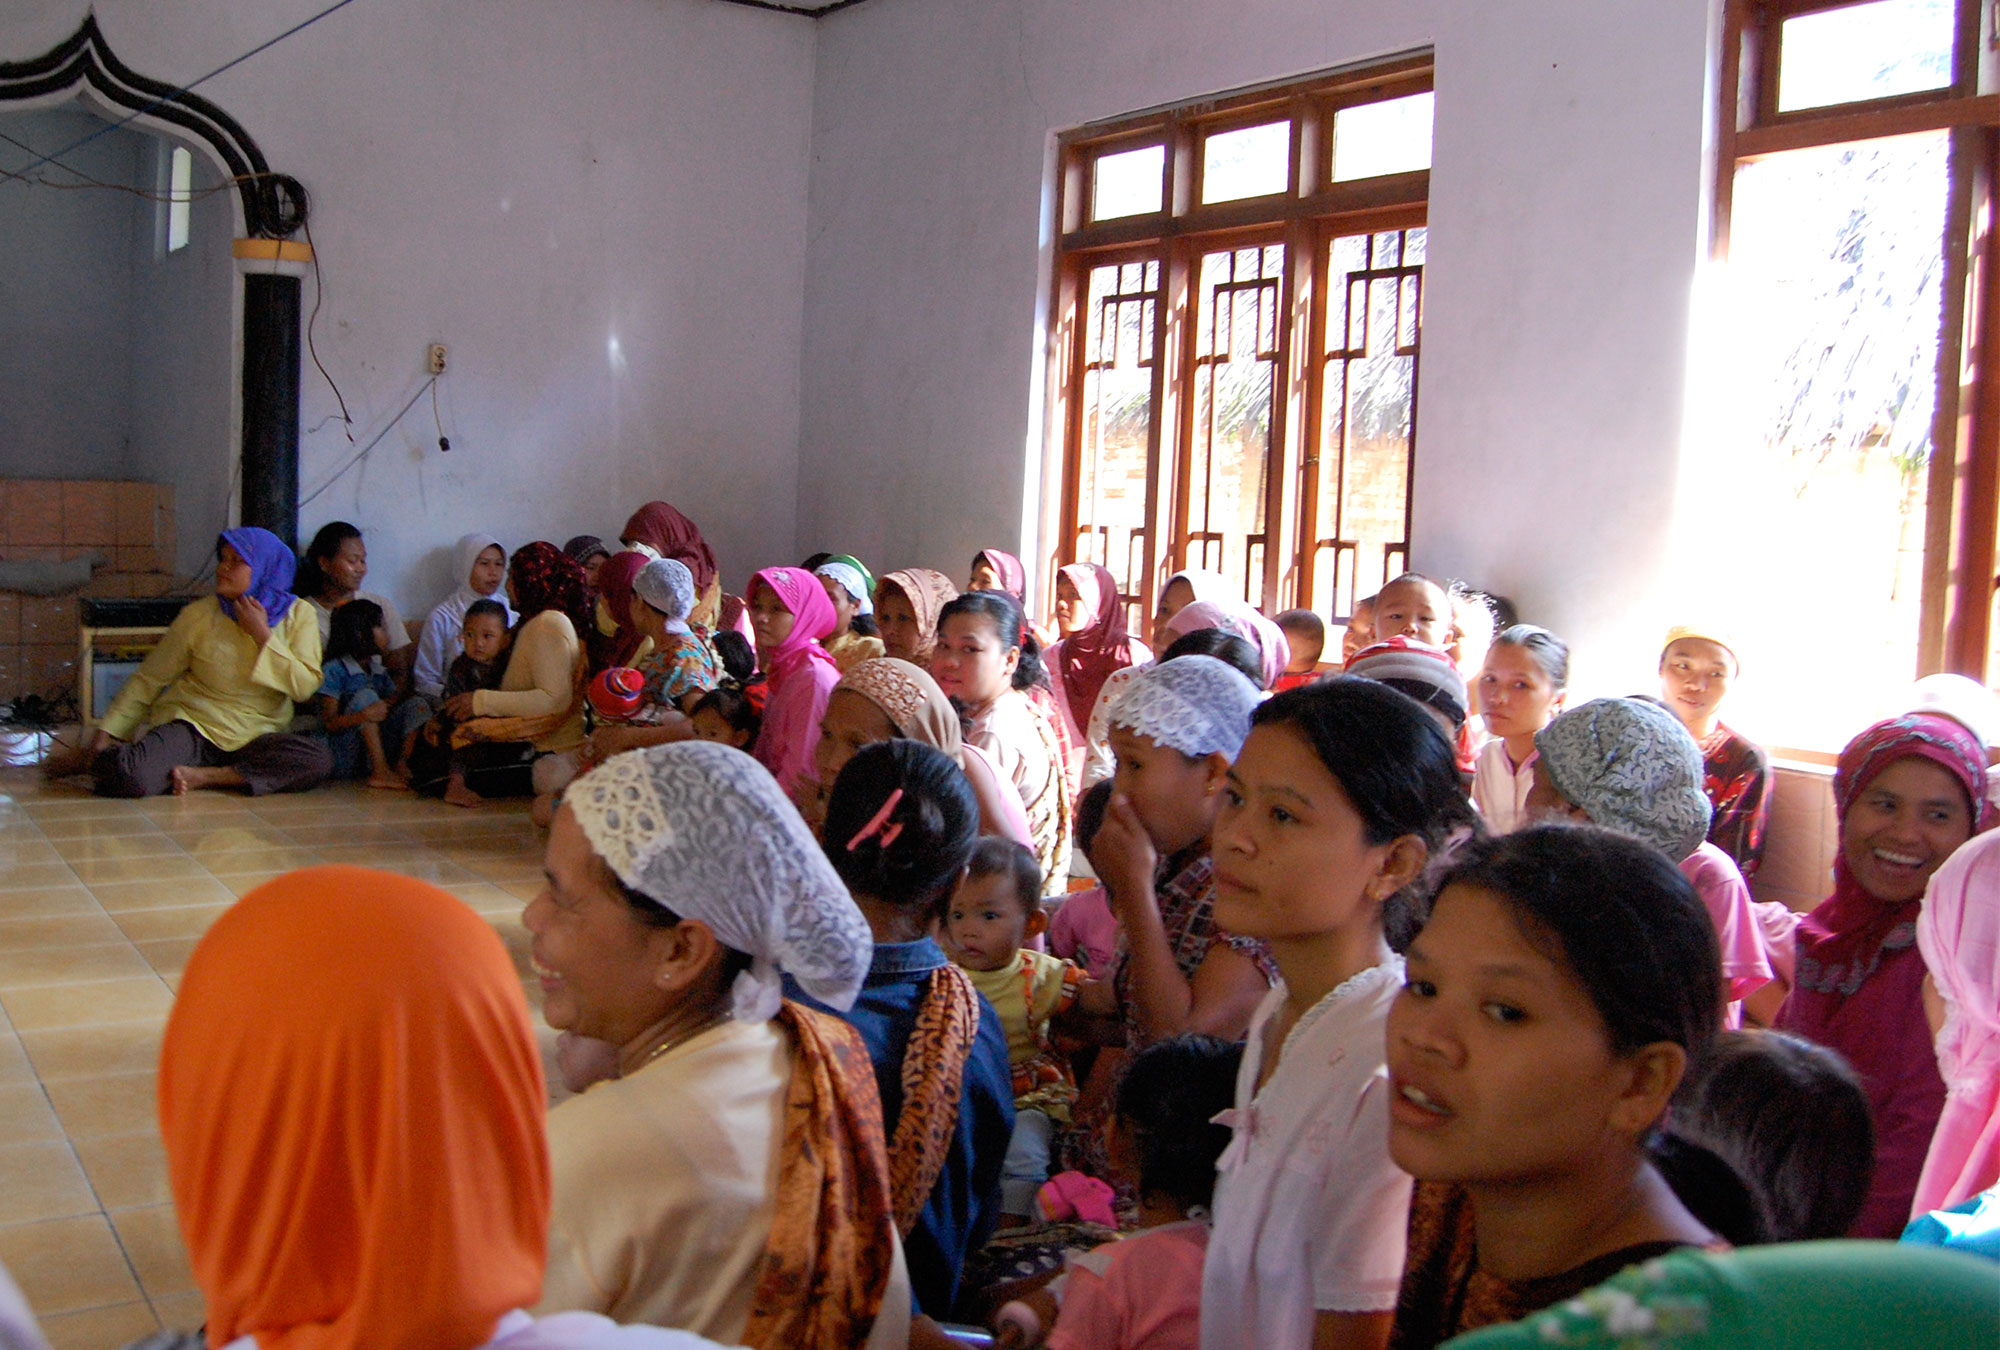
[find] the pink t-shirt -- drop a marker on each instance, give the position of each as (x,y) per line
(1746,960)
(1148,1297)
(1085,931)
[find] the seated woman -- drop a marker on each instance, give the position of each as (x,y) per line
(1094,646)
(1907,791)
(1183,588)
(885,700)
(993,570)
(482,569)
(659,531)
(790,613)
(1274,649)
(613,638)
(906,610)
(729,1177)
(1565,980)
(986,661)
(413,1213)
(212,701)
(848,588)
(588,552)
(1958,933)
(530,729)
(1628,764)
(331,573)
(1696,668)
(900,826)
(678,668)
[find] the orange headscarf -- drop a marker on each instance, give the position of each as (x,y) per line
(353,1108)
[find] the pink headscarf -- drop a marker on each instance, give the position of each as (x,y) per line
(1958,932)
(1013,576)
(1274,649)
(1087,658)
(800,676)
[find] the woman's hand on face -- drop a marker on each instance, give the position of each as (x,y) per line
(1123,855)
(253,619)
(459,707)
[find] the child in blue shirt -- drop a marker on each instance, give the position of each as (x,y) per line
(357,694)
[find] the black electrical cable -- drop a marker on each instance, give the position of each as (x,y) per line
(319,295)
(363,452)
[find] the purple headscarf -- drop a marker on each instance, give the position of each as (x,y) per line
(272,566)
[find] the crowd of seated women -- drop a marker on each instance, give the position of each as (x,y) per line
(922,981)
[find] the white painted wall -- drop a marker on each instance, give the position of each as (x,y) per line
(1565,227)
(525,182)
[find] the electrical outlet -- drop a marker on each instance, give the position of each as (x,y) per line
(435,356)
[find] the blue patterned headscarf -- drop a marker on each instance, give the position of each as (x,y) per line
(272,566)
(1632,767)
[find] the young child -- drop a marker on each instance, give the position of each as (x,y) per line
(1306,631)
(726,715)
(1144,1291)
(1520,688)
(1342,795)
(356,694)
(1564,983)
(1422,671)
(1792,1119)
(1083,929)
(485,638)
(992,915)
(1360,630)
(1415,607)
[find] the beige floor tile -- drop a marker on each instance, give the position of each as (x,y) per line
(152,1238)
(97,827)
(181,1312)
(352,836)
(168,956)
(42,1181)
(174,921)
(22,851)
(65,897)
(116,847)
(84,806)
(201,843)
(127,1169)
(507,871)
(25,1116)
(243,883)
(486,897)
(100,1328)
(14,1064)
(283,859)
(57,930)
(75,1005)
(69,965)
(119,1103)
(95,1051)
(525,889)
(117,897)
(36,876)
(153,870)
(64,1265)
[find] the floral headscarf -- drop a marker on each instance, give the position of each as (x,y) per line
(702,830)
(1632,767)
(928,592)
(910,699)
(547,578)
(667,585)
(1194,704)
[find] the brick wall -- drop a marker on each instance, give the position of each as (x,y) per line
(130,524)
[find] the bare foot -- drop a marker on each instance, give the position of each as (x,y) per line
(458,794)
(388,781)
(189,778)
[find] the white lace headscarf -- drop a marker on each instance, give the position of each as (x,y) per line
(704,831)
(851,581)
(668,586)
(1194,704)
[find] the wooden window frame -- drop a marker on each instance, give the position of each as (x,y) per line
(1304,217)
(1962,514)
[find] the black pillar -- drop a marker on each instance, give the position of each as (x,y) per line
(271,404)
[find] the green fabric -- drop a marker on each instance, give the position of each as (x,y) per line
(1797,1296)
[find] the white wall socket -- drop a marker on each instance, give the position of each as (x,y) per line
(434,356)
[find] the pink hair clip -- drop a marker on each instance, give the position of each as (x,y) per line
(880,823)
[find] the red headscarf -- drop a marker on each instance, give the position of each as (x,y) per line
(1013,576)
(672,535)
(1859,975)
(547,578)
(614,586)
(1089,656)
(352,1106)
(801,676)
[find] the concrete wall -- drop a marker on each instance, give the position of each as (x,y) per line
(1565,226)
(599,208)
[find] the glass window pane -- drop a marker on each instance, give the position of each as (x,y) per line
(1129,183)
(1253,162)
(1393,136)
(1865,51)
(1119,340)
(1816,484)
(180,179)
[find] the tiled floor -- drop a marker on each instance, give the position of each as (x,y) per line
(100,904)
